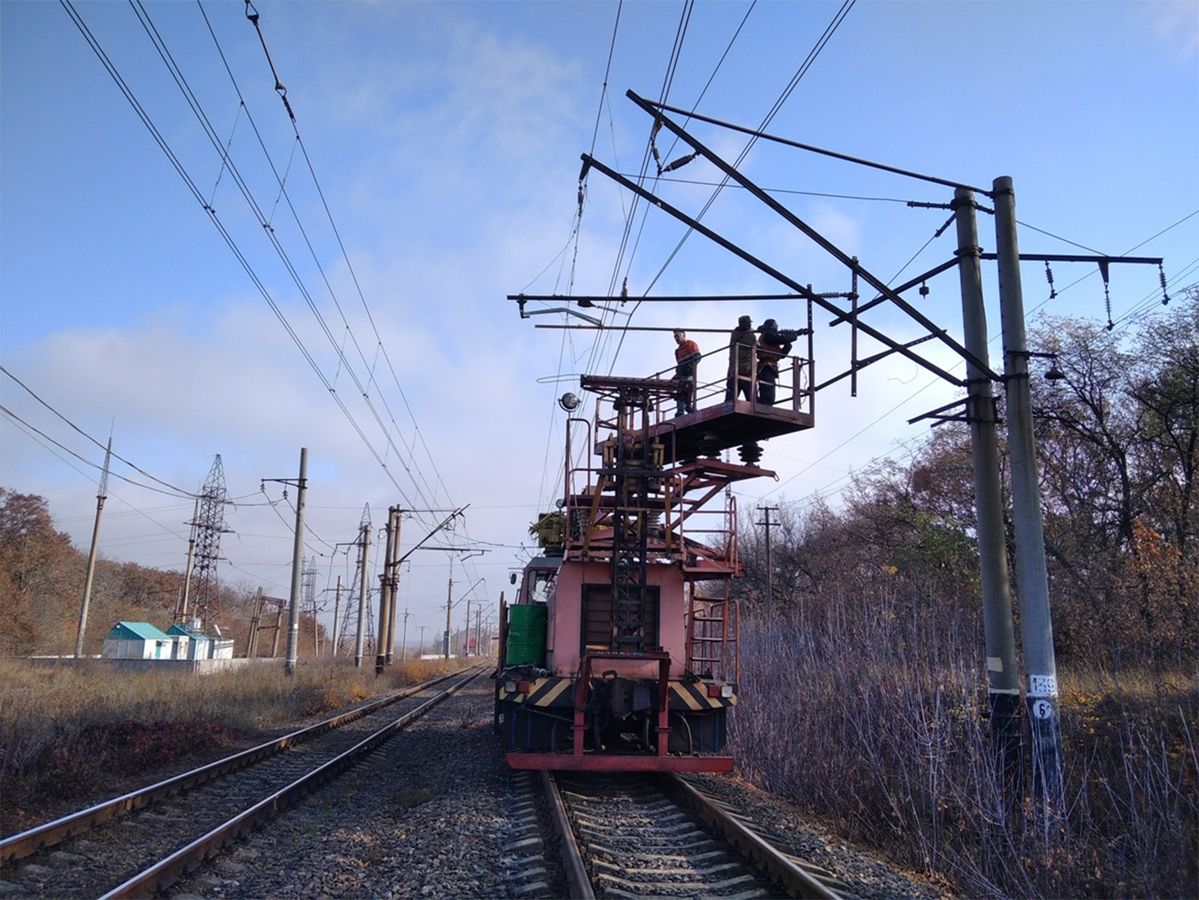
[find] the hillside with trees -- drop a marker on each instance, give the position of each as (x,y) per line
(1118,451)
(873,657)
(41,588)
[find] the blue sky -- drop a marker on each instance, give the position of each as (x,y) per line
(446,138)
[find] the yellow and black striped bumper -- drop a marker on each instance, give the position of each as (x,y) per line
(559,692)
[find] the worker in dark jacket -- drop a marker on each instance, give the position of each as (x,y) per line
(686,357)
(773,345)
(741,355)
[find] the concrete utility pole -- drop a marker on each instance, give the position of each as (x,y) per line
(421,648)
(336,616)
(466,634)
(404,638)
(255,621)
(449,605)
(297,569)
(278,628)
(385,594)
(316,631)
(366,542)
(1032,582)
(394,584)
(766,511)
(101,496)
(1003,676)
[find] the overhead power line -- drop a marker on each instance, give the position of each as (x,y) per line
(87,462)
(253,16)
(173,488)
(243,187)
(181,170)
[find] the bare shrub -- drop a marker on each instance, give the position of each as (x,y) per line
(872,719)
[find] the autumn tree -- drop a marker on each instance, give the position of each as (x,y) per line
(41,576)
(1118,442)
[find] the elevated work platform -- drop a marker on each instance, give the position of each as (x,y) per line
(709,431)
(717,424)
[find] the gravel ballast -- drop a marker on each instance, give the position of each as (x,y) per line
(436,813)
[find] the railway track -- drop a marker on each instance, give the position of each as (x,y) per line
(141,842)
(662,837)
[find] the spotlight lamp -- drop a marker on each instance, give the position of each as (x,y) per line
(569,402)
(1054,373)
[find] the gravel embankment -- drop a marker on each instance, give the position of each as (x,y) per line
(786,828)
(429,815)
(432,814)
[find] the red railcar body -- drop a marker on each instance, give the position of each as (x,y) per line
(619,651)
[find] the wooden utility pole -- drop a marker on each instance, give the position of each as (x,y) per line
(191,561)
(101,496)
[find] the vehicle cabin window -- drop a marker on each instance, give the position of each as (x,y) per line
(541,585)
(597,625)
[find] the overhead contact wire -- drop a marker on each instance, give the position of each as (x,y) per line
(253,16)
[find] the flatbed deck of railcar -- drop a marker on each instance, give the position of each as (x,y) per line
(708,431)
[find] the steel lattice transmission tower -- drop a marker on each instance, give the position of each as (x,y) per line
(309,600)
(357,619)
(207,528)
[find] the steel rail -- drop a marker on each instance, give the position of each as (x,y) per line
(572,858)
(30,841)
(165,872)
(790,876)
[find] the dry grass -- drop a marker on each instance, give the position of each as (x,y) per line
(882,736)
(69,732)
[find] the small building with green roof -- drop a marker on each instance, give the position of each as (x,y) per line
(193,643)
(138,640)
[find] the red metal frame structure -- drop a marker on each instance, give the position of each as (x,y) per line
(637,530)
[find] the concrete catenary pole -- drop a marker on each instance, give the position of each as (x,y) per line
(466,634)
(384,595)
(297,567)
(255,621)
(278,628)
(336,616)
(1003,676)
(365,562)
(394,584)
(1032,582)
(449,590)
(101,496)
(766,510)
(404,637)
